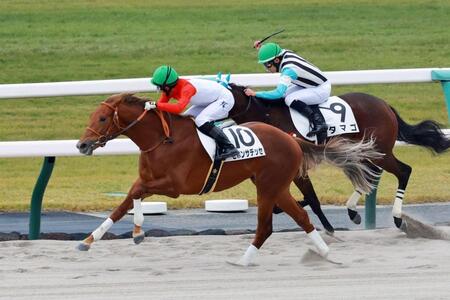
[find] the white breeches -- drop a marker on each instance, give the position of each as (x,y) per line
(216,110)
(309,96)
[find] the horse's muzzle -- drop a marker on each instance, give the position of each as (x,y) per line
(86,147)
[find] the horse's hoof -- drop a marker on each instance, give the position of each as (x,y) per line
(83,247)
(354,216)
(329,232)
(139,238)
(398,222)
(329,229)
(401,224)
(240,264)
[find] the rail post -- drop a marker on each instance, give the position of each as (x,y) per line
(371,207)
(36,198)
(444,77)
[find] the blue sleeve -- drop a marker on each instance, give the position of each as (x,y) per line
(286,76)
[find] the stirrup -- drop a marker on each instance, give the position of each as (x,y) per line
(229,153)
(318,130)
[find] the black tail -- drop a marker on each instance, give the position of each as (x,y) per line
(427,133)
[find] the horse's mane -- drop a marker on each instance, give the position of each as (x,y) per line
(238,87)
(130,98)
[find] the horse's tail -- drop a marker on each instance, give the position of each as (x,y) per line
(354,158)
(427,133)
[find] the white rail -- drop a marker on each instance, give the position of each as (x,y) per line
(125,146)
(98,87)
(68,148)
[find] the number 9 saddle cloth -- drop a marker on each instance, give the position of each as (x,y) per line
(337,114)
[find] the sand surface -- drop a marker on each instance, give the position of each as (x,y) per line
(376,264)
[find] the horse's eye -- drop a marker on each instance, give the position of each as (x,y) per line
(102,119)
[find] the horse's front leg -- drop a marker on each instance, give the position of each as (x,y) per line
(263,231)
(134,197)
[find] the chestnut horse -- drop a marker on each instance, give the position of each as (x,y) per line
(375,118)
(173,162)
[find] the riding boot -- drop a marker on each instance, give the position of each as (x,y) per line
(317,120)
(314,116)
(225,147)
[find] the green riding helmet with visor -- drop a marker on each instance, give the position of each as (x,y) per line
(267,53)
(164,76)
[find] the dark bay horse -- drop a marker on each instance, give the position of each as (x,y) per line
(375,118)
(173,162)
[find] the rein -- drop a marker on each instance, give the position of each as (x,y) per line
(250,100)
(104,138)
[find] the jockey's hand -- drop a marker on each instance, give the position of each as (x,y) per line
(257,45)
(150,105)
(250,92)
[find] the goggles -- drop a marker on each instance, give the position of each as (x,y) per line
(268,64)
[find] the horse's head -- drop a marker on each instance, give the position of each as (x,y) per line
(104,124)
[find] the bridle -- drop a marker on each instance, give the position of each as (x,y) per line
(104,138)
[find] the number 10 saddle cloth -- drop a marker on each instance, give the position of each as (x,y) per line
(244,139)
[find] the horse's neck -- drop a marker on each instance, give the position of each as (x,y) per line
(274,114)
(149,131)
(247,110)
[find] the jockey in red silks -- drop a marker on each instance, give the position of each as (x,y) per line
(210,101)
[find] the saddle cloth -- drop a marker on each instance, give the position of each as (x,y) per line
(243,138)
(337,114)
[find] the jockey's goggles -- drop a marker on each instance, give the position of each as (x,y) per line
(268,64)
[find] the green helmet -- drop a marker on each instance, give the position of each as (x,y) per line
(268,52)
(164,76)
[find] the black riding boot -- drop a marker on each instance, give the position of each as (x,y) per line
(314,116)
(225,147)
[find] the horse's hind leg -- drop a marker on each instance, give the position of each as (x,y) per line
(307,189)
(353,200)
(300,216)
(402,171)
(133,196)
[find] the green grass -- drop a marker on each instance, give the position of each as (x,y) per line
(45,41)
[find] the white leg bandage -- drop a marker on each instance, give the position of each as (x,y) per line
(100,231)
(320,244)
(249,255)
(353,200)
(138,215)
(397,208)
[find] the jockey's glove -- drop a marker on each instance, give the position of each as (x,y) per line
(150,105)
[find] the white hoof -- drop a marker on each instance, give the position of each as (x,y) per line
(241,263)
(319,243)
(248,257)
(323,251)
